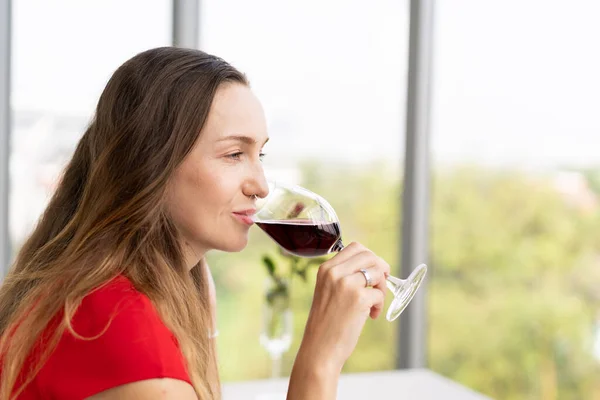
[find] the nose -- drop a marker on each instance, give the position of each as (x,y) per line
(257,185)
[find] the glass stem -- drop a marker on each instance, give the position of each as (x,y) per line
(394,284)
(276,366)
(338,246)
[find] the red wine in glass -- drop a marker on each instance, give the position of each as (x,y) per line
(301,237)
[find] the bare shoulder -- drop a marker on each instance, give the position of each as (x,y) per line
(150,389)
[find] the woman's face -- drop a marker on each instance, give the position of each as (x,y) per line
(213,192)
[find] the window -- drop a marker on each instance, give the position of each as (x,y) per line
(513,299)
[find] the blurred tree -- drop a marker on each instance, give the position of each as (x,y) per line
(508,313)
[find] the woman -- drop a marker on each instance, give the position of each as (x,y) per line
(108,298)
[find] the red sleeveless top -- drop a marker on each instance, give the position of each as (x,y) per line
(134,346)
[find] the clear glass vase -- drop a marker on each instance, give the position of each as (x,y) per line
(277,322)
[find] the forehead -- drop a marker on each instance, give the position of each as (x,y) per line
(235,111)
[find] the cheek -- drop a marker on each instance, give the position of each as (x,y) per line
(185,201)
(186,189)
(218,187)
(201,195)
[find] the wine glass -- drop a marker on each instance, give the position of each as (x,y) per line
(303,223)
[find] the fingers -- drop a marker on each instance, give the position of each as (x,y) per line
(355,258)
(376,293)
(376,272)
(341,257)
(330,269)
(377,299)
(341,275)
(364,259)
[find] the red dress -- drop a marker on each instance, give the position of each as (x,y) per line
(135,346)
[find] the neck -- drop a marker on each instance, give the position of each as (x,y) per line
(192,255)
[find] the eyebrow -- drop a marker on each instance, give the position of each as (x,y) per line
(241,138)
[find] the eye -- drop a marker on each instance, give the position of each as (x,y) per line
(235,156)
(261,156)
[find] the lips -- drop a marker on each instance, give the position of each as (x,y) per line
(245,216)
(249,212)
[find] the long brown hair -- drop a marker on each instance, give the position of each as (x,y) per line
(108,217)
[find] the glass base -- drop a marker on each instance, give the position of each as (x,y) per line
(404,291)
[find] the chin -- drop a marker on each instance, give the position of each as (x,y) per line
(233,246)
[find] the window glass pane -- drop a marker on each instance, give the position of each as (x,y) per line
(64,52)
(513,299)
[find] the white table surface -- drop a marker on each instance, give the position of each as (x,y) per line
(414,384)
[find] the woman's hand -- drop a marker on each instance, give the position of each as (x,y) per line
(341,305)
